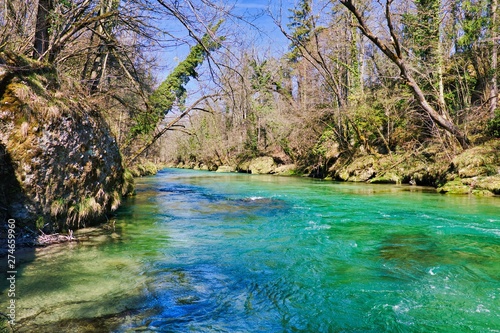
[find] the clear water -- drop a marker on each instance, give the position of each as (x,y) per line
(207,252)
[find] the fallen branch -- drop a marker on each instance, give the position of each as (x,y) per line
(45,239)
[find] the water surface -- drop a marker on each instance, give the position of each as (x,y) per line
(208,252)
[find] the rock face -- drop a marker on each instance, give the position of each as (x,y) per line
(60,167)
(360,170)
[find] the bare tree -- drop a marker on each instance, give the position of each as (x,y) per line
(393,49)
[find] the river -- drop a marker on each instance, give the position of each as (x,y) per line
(196,251)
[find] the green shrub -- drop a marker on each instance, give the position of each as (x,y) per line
(493,126)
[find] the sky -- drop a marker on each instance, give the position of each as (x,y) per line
(257,27)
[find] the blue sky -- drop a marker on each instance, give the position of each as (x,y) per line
(260,28)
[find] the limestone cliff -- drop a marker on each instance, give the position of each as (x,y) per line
(60,166)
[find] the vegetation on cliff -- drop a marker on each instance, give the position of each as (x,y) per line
(61,166)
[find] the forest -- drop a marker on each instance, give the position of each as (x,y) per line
(380,77)
(380,91)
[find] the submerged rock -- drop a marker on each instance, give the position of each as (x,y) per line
(60,166)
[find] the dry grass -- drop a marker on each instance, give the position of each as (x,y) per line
(58,207)
(52,112)
(25,129)
(101,196)
(82,211)
(115,201)
(23,93)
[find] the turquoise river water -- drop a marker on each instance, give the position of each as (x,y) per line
(208,252)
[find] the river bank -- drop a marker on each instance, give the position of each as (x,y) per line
(473,171)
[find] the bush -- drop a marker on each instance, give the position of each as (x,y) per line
(493,127)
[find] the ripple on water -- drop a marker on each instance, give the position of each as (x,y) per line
(234,253)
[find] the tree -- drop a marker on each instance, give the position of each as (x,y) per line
(41,44)
(394,51)
(172,91)
(494,58)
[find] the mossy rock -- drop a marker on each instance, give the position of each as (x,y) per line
(360,170)
(57,152)
(455,187)
(362,175)
(387,178)
(474,171)
(244,166)
(262,165)
(286,170)
(483,160)
(226,168)
(491,183)
(483,193)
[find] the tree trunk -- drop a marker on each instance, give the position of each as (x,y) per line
(41,44)
(103,29)
(494,59)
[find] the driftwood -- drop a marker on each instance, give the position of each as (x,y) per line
(45,239)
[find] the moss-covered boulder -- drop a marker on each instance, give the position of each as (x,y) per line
(226,168)
(360,169)
(475,170)
(60,166)
(481,186)
(286,170)
(483,160)
(489,183)
(455,186)
(262,165)
(389,177)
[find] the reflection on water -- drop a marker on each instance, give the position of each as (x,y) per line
(207,252)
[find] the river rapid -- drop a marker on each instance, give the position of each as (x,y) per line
(196,251)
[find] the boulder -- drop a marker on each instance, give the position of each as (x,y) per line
(262,165)
(60,167)
(360,170)
(286,170)
(225,168)
(483,160)
(455,186)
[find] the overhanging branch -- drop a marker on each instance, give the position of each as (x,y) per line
(169,126)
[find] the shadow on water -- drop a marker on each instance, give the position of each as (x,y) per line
(68,287)
(83,286)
